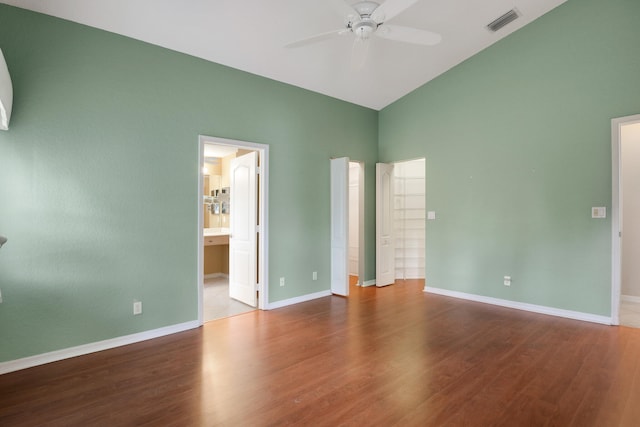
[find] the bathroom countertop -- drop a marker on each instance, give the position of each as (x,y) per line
(216,232)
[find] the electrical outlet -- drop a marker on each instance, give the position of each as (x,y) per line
(137,308)
(282,281)
(315,275)
(0,297)
(507,280)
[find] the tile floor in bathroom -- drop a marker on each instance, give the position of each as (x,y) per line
(217,304)
(630,314)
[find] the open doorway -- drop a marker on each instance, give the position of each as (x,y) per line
(409,216)
(400,221)
(356,223)
(232,238)
(626,227)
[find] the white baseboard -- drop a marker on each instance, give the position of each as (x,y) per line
(629,298)
(54,356)
(296,300)
(551,311)
(215,276)
(371,282)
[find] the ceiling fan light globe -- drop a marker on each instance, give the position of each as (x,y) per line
(364,28)
(363,32)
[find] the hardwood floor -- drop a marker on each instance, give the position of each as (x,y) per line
(383,356)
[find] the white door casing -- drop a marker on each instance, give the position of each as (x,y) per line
(616,213)
(242,228)
(385,251)
(340,226)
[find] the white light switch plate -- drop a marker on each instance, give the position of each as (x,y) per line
(599,212)
(431,215)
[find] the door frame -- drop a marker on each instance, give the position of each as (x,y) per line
(263,217)
(616,212)
(378,214)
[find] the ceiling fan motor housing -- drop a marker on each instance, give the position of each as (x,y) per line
(364,26)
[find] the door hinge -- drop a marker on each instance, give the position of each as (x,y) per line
(257,286)
(258,170)
(257,229)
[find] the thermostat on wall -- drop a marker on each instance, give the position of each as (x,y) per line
(599,212)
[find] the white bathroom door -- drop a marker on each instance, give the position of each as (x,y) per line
(385,249)
(243,239)
(340,226)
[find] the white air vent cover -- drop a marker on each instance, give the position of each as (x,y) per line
(503,20)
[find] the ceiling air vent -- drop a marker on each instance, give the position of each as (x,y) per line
(500,22)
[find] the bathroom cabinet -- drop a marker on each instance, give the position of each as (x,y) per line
(216,240)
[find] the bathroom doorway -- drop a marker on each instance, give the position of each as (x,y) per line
(232,238)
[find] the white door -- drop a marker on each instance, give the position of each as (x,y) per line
(354,219)
(242,227)
(340,226)
(385,252)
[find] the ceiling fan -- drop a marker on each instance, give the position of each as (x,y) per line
(367,18)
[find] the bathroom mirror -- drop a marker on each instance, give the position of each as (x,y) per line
(212,188)
(216,172)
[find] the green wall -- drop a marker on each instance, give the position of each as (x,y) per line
(518,148)
(99,172)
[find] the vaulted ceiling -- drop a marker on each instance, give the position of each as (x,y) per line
(252,35)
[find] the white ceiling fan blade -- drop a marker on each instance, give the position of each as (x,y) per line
(317,38)
(408,35)
(391,8)
(359,53)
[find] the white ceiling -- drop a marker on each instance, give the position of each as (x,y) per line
(212,150)
(250,35)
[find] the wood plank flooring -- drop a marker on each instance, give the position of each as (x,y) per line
(382,357)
